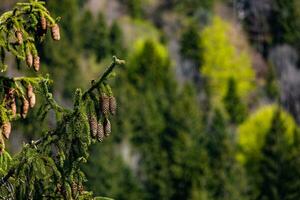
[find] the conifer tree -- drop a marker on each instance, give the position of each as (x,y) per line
(116,40)
(50,167)
(223,167)
(271,84)
(271,168)
(87,33)
(101,40)
(167,126)
(191,45)
(233,105)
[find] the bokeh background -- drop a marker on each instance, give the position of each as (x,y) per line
(209,100)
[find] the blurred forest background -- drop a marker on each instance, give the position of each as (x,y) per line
(209,100)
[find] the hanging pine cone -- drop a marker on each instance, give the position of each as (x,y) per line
(19,37)
(11,92)
(104,102)
(43,23)
(100,132)
(13,107)
(112,105)
(29,59)
(55,32)
(2,144)
(93,125)
(74,189)
(6,129)
(107,128)
(25,108)
(31,96)
(36,63)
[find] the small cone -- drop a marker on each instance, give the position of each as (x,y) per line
(29,59)
(6,129)
(31,96)
(55,32)
(112,105)
(43,22)
(19,37)
(11,92)
(2,144)
(36,63)
(100,132)
(74,188)
(104,101)
(25,108)
(107,128)
(13,107)
(93,125)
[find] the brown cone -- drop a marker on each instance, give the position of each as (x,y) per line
(112,105)
(31,96)
(55,32)
(13,107)
(93,125)
(107,128)
(25,108)
(6,129)
(19,37)
(104,103)
(2,144)
(29,59)
(43,22)
(100,132)
(36,63)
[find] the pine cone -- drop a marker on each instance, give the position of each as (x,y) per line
(19,37)
(29,59)
(74,188)
(104,101)
(107,128)
(25,108)
(93,125)
(100,132)
(13,107)
(2,144)
(6,129)
(31,96)
(43,23)
(36,63)
(55,32)
(112,105)
(11,92)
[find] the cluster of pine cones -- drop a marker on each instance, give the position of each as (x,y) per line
(108,105)
(32,59)
(10,102)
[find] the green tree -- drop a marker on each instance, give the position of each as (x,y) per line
(235,108)
(101,39)
(271,165)
(116,40)
(50,167)
(271,87)
(191,45)
(168,142)
(223,167)
(87,34)
(285,22)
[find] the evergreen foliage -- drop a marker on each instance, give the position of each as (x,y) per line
(191,45)
(271,87)
(223,167)
(168,138)
(272,166)
(285,22)
(236,110)
(51,166)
